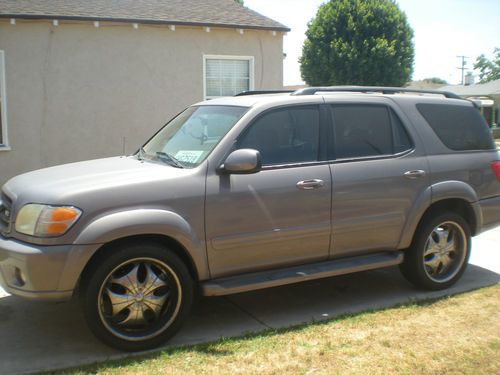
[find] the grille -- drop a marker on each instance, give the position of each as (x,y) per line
(5,214)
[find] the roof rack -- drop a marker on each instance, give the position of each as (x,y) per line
(372,89)
(358,89)
(259,92)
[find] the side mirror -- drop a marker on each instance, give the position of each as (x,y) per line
(243,161)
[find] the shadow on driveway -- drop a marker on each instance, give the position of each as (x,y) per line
(47,336)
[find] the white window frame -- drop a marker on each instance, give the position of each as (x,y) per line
(4,141)
(251,64)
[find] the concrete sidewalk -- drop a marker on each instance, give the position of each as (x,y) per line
(47,336)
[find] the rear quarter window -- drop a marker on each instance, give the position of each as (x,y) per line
(460,128)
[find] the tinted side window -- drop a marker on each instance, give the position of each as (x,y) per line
(458,127)
(288,135)
(362,131)
(402,141)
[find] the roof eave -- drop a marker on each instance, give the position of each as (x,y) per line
(144,21)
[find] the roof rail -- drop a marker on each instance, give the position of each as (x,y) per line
(372,89)
(259,92)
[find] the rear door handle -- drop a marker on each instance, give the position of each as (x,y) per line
(414,174)
(310,184)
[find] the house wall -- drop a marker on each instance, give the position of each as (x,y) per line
(76,92)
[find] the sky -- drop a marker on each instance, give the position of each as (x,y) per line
(443,30)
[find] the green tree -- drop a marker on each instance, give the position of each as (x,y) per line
(436,80)
(358,42)
(489,69)
(239,2)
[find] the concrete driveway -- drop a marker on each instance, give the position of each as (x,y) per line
(49,336)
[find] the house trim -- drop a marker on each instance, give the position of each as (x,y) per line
(142,21)
(4,141)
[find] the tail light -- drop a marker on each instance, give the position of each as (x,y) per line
(496,168)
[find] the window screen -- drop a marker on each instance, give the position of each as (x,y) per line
(458,127)
(225,77)
(362,131)
(284,136)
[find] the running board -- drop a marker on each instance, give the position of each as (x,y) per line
(295,274)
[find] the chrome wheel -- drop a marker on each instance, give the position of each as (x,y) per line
(445,251)
(139,299)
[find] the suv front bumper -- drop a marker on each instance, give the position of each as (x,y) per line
(41,272)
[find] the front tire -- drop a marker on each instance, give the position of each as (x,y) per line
(439,253)
(137,297)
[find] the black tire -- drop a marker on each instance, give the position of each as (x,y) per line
(158,299)
(427,263)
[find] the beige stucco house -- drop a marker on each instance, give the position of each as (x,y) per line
(96,78)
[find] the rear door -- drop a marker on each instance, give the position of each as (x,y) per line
(377,175)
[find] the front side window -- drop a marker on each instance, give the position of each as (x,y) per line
(367,130)
(188,139)
(3,105)
(285,136)
(227,76)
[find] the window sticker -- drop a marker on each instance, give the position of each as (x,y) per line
(188,156)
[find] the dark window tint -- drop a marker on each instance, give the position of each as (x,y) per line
(288,135)
(362,131)
(401,139)
(458,127)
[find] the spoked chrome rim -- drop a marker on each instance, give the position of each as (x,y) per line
(139,299)
(445,252)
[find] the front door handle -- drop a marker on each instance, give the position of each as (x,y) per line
(310,184)
(414,174)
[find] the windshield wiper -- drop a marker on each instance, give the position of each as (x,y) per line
(169,159)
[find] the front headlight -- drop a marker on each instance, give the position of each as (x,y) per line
(46,221)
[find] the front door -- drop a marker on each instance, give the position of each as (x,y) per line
(280,215)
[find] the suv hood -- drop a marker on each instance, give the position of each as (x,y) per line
(102,178)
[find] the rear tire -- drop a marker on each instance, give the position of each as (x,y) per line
(137,296)
(439,252)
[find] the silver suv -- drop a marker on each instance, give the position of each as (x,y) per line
(250,192)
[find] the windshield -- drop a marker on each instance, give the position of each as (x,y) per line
(188,139)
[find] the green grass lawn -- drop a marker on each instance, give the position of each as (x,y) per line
(455,335)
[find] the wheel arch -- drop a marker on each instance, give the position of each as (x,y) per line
(470,211)
(458,205)
(163,240)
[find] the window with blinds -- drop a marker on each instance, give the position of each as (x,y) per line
(227,76)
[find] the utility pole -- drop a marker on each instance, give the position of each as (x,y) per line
(462,68)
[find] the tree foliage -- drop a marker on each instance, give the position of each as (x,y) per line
(358,42)
(489,69)
(239,2)
(435,80)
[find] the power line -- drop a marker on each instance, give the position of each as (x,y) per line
(462,68)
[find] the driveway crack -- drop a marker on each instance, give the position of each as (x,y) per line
(247,312)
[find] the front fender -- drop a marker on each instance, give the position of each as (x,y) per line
(140,222)
(136,222)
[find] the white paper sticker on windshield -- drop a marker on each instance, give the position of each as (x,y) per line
(188,156)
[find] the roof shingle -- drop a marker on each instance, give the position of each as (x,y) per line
(223,13)
(479,89)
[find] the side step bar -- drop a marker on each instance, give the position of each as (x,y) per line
(295,274)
